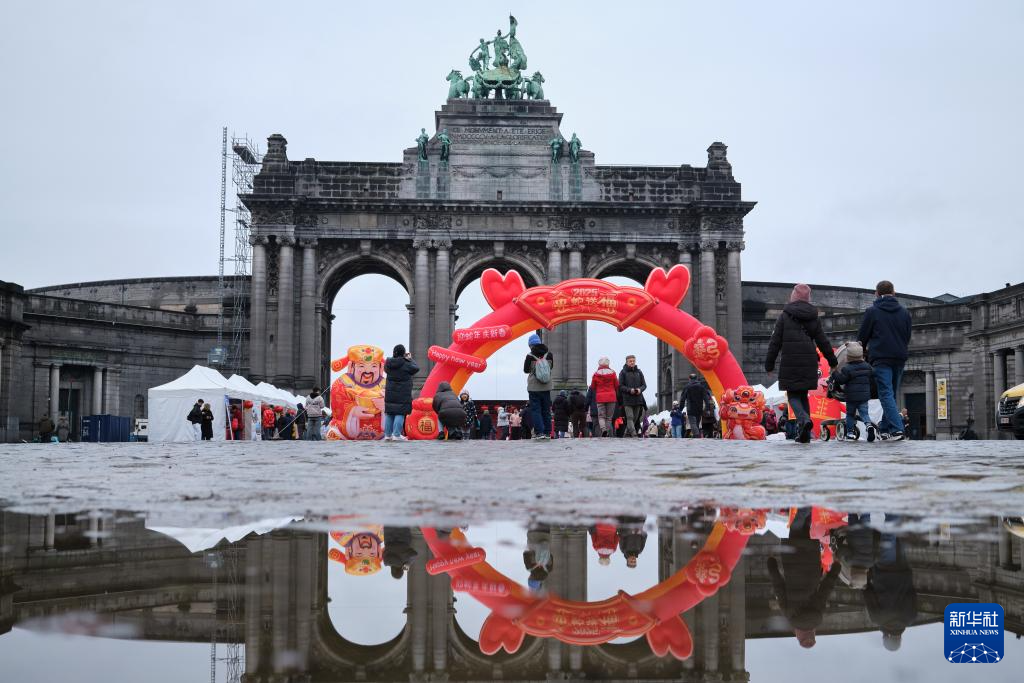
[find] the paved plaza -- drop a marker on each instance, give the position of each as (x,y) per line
(223,483)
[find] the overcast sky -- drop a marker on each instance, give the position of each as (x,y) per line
(879,139)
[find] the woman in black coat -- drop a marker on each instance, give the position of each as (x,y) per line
(449,410)
(799,337)
(400,369)
(560,409)
(206,426)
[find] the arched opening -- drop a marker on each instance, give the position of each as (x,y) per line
(366,610)
(603,340)
(504,380)
(367,304)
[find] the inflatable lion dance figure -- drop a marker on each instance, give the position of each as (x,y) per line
(742,410)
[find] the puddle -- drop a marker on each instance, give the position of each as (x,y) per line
(706,593)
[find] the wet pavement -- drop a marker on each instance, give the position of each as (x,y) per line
(705,594)
(218,484)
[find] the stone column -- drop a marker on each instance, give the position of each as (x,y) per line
(97,391)
(285,377)
(54,391)
(576,331)
(421,307)
(1018,365)
(929,403)
(998,374)
(309,330)
(258,310)
(442,294)
(707,313)
(555,339)
(49,540)
(738,618)
(734,300)
(681,367)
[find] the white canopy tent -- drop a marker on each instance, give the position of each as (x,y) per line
(275,396)
(245,389)
(169,404)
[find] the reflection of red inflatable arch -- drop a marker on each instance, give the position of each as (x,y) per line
(655,613)
(518,311)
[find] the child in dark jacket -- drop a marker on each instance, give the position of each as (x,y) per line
(856,378)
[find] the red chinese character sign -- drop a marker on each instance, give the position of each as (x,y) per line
(517,311)
(516,611)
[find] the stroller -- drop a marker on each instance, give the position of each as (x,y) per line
(836,392)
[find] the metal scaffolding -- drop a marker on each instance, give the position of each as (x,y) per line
(245,164)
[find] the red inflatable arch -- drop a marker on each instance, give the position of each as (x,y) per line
(518,311)
(655,613)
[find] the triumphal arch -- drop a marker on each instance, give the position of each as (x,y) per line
(495,184)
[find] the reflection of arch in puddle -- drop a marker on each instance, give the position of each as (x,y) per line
(365,610)
(654,613)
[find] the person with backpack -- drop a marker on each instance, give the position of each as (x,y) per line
(195,416)
(631,387)
(694,396)
(605,384)
(798,336)
(315,413)
(537,366)
(578,413)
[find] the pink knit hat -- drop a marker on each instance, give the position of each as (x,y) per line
(801,292)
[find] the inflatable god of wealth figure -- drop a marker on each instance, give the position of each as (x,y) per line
(357,397)
(363,551)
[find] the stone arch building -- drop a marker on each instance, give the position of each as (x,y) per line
(502,199)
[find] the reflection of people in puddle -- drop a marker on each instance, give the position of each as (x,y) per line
(800,588)
(632,539)
(604,538)
(537,556)
(855,551)
(398,550)
(890,596)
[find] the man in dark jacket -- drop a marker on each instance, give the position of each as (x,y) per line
(856,378)
(398,550)
(885,334)
(632,538)
(538,389)
(693,396)
(400,369)
(195,416)
(450,412)
(46,426)
(631,387)
(890,597)
(799,337)
(486,424)
(595,424)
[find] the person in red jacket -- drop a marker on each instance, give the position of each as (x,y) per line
(605,540)
(268,421)
(605,383)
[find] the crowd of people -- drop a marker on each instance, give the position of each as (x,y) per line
(614,405)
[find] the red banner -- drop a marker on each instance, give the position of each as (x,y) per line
(439,354)
(586,299)
(584,623)
(476,334)
(439,565)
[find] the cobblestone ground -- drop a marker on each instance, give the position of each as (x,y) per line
(216,484)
